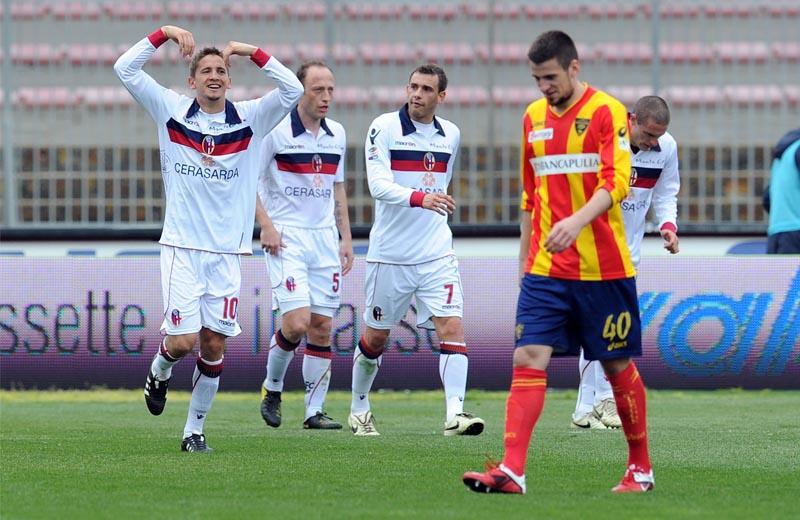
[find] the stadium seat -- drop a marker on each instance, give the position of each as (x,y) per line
(32,54)
(790,9)
(508,11)
(388,53)
(250,11)
(509,53)
(142,10)
(758,95)
(389,97)
(625,52)
(449,53)
(436,11)
(92,54)
(741,52)
(792,94)
(311,51)
(467,96)
(285,53)
(685,52)
(351,97)
(344,53)
(28,10)
(598,11)
(729,10)
(629,94)
(786,51)
(47,97)
(75,10)
(550,11)
(305,10)
(517,96)
(369,11)
(194,10)
(678,10)
(694,95)
(106,98)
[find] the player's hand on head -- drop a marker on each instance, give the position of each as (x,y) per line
(441,203)
(237,49)
(182,37)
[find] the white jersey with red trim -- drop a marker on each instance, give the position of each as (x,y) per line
(405,160)
(209,161)
(298,171)
(654,178)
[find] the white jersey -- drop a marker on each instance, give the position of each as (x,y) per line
(654,178)
(209,161)
(298,171)
(405,160)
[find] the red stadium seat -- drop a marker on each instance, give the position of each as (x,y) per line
(508,11)
(467,96)
(392,97)
(786,51)
(519,96)
(449,53)
(285,52)
(730,10)
(742,52)
(106,98)
(550,11)
(694,95)
(33,54)
(48,98)
(194,10)
(511,53)
(476,10)
(629,94)
(75,10)
(305,10)
(388,53)
(587,53)
(625,52)
(611,11)
(758,95)
(311,51)
(141,10)
(790,9)
(437,11)
(679,10)
(792,94)
(250,11)
(369,11)
(351,97)
(685,52)
(28,10)
(344,53)
(92,54)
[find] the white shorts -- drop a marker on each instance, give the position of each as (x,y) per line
(435,285)
(307,272)
(200,289)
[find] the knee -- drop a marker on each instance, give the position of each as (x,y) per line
(179,346)
(295,326)
(319,331)
(375,340)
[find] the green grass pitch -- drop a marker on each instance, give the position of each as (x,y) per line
(99,454)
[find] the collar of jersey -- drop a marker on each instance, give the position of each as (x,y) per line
(231,115)
(298,127)
(408,124)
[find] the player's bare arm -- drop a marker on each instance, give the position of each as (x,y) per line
(182,37)
(441,203)
(566,231)
(343,225)
(270,237)
(524,241)
(237,49)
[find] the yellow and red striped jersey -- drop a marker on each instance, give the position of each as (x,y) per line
(566,158)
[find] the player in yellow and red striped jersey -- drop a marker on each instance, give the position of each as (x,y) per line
(577,279)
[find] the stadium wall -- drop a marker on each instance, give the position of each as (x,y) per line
(708,322)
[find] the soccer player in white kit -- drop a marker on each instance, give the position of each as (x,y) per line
(410,155)
(209,161)
(302,212)
(654,179)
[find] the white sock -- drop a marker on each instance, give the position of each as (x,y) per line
(602,389)
(163,362)
(316,377)
(586,387)
(278,361)
(453,373)
(364,372)
(205,382)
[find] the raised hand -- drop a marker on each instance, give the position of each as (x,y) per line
(182,37)
(238,49)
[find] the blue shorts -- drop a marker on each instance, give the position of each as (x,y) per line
(602,317)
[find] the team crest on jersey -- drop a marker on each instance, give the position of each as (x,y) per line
(208,144)
(316,163)
(176,317)
(290,284)
(429,161)
(377,313)
(634,176)
(520,328)
(581,124)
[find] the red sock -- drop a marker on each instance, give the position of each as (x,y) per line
(631,400)
(523,408)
